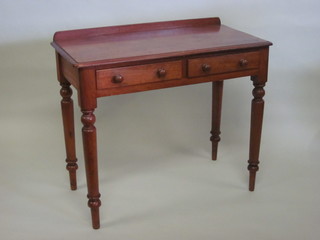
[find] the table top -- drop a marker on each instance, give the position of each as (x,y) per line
(131,43)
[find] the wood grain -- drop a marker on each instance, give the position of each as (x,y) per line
(139,74)
(93,47)
(217,92)
(107,61)
(223,63)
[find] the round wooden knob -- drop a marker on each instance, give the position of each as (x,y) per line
(206,68)
(161,72)
(117,79)
(243,62)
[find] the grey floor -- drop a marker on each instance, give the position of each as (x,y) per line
(156,177)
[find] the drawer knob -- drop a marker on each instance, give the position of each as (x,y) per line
(243,62)
(206,68)
(161,72)
(117,78)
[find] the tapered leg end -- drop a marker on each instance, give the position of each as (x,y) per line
(94,206)
(252,177)
(252,180)
(95,219)
(214,151)
(72,168)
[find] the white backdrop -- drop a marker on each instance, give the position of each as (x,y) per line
(157,180)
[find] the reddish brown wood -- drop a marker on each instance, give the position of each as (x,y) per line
(118,78)
(70,72)
(135,75)
(244,62)
(87,93)
(217,91)
(203,66)
(102,46)
(91,163)
(173,83)
(162,72)
(88,102)
(68,125)
(125,59)
(134,28)
(257,107)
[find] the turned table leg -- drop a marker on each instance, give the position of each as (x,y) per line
(68,125)
(257,106)
(91,163)
(217,91)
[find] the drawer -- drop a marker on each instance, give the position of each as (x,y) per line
(221,64)
(140,74)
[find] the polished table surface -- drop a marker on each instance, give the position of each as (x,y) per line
(107,61)
(128,44)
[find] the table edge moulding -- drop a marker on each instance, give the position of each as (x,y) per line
(106,61)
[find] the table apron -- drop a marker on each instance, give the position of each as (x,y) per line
(174,83)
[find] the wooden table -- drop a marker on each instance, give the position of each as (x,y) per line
(107,61)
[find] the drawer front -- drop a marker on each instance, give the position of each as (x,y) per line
(221,64)
(140,74)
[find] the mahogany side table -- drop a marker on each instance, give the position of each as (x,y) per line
(100,62)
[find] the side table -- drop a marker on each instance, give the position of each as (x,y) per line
(100,62)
